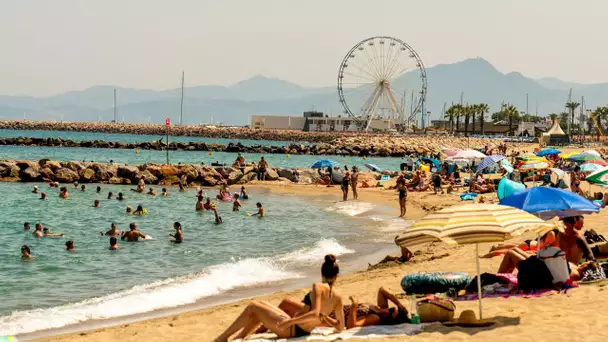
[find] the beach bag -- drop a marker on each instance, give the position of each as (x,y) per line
(555,260)
(436,310)
(533,275)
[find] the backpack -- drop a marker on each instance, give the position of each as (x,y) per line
(533,275)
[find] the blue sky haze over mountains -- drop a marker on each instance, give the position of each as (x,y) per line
(477,78)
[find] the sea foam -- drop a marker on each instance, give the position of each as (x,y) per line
(351,208)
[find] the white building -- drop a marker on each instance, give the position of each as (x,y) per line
(316,122)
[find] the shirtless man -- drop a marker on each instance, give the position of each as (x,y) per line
(151,191)
(199,203)
(133,234)
(113,231)
(38,230)
(262,166)
(208,205)
(178,236)
(114,244)
(260,212)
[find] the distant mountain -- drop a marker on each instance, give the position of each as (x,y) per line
(476,79)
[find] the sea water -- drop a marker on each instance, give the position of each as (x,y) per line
(60,288)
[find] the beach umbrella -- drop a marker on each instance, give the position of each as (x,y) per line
(373,167)
(558,176)
(584,157)
(472,224)
(450,152)
(489,161)
(547,203)
(534,166)
(590,167)
(323,163)
(435,162)
(598,177)
(568,155)
(507,165)
(592,152)
(507,187)
(597,162)
(548,152)
(468,154)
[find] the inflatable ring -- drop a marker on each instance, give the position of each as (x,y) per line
(434,282)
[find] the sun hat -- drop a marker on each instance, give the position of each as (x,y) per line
(468,319)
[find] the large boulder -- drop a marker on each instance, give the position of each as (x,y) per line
(31,174)
(271,175)
(88,175)
(103,172)
(118,180)
(127,171)
(74,166)
(51,164)
(190,171)
(234,176)
(150,178)
(46,173)
(65,175)
(287,173)
(162,171)
(9,169)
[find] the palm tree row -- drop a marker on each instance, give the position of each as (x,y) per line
(467,111)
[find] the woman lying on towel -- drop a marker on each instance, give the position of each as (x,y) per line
(323,301)
(364,315)
(549,239)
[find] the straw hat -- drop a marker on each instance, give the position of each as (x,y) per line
(469,320)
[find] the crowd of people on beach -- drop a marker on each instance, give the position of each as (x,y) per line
(133,234)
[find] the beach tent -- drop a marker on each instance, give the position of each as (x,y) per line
(548,203)
(555,135)
(472,224)
(507,187)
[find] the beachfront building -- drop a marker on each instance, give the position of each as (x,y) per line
(314,121)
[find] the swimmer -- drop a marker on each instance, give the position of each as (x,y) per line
(47,233)
(43,196)
(63,193)
(140,211)
(26,226)
(69,246)
(38,230)
(129,210)
(164,193)
(96,204)
(83,188)
(75,185)
(199,203)
(120,197)
(35,191)
(133,234)
(151,191)
(114,244)
(113,231)
(244,193)
(98,189)
(141,185)
(236,204)
(26,253)
(218,218)
(178,233)
(260,212)
(208,205)
(110,194)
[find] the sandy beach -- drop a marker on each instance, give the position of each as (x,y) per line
(576,315)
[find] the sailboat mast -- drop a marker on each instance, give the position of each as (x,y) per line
(115,117)
(181,107)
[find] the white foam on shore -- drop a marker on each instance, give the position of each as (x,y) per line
(172,292)
(351,208)
(392,224)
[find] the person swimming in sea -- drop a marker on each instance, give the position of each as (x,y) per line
(98,189)
(151,191)
(69,246)
(178,236)
(244,193)
(43,196)
(26,226)
(113,231)
(110,194)
(35,191)
(129,210)
(83,188)
(141,185)
(76,185)
(63,193)
(120,197)
(47,233)
(114,244)
(260,212)
(218,218)
(208,205)
(96,204)
(164,193)
(140,211)
(38,230)
(236,204)
(133,234)
(199,203)
(26,253)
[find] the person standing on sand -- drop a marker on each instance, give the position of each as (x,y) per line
(345,182)
(133,234)
(354,180)
(402,188)
(262,166)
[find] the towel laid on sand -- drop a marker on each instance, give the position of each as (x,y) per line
(326,334)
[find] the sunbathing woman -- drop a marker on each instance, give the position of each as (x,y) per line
(549,239)
(323,301)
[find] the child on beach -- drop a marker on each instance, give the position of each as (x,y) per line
(244,193)
(236,204)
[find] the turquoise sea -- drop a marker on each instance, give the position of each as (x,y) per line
(59,288)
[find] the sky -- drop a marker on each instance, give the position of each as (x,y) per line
(49,47)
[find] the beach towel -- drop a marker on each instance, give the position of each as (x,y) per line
(363,333)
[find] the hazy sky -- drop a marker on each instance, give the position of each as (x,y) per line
(49,47)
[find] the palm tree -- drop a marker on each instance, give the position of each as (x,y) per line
(571,106)
(601,113)
(450,114)
(473,113)
(459,112)
(482,110)
(512,113)
(564,119)
(467,112)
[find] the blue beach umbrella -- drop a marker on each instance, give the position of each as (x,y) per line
(435,162)
(547,203)
(489,161)
(590,167)
(323,163)
(507,187)
(373,167)
(548,152)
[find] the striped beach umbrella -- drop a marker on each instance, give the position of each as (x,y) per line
(489,161)
(534,166)
(472,224)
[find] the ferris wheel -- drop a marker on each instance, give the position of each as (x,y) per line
(382,77)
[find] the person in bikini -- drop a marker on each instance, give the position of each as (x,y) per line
(178,236)
(324,300)
(236,204)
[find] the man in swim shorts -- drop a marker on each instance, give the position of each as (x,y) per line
(133,234)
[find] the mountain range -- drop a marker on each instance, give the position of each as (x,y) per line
(476,79)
